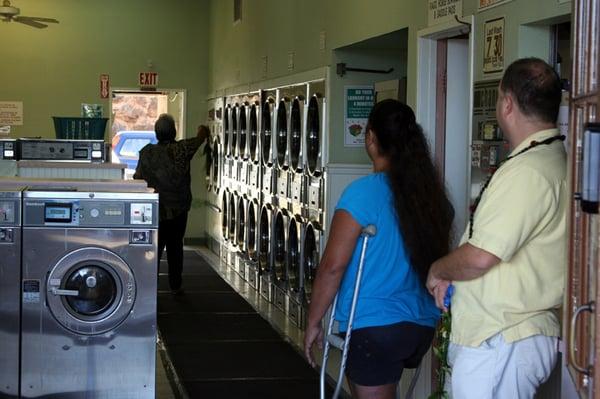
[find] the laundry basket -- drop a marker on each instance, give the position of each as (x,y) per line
(79,128)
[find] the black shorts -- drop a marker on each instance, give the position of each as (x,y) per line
(378,355)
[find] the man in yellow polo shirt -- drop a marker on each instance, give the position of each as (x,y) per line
(509,271)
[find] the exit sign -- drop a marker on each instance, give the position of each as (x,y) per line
(148,80)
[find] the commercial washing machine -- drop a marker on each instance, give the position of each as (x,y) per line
(225,226)
(312,249)
(89,294)
(282,149)
(252,222)
(232,242)
(267,145)
(294,263)
(265,251)
(279,237)
(240,235)
(254,173)
(10,283)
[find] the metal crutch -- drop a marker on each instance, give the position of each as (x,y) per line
(334,340)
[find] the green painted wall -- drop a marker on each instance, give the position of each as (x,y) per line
(54,70)
(526,25)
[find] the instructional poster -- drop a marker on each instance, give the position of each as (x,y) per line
(493,50)
(357,105)
(11,113)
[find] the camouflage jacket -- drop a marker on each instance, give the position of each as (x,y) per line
(166,168)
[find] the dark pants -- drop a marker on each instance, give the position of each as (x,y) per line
(170,234)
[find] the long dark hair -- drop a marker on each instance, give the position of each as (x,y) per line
(423,209)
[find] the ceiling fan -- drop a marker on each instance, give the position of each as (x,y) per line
(9,13)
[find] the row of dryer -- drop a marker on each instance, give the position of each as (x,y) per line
(78,289)
(266,183)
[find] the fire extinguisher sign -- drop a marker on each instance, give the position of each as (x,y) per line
(493,50)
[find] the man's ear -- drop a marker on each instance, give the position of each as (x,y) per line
(508,104)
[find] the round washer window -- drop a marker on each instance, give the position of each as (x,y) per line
(97,290)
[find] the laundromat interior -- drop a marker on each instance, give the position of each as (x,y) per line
(285,88)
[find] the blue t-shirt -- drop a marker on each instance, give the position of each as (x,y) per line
(390,290)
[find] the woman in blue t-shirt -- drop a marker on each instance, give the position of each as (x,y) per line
(405,199)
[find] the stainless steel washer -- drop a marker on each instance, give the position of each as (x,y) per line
(10,282)
(89,294)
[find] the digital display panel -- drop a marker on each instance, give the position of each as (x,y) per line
(81,153)
(57,213)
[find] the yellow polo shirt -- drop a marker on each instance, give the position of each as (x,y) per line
(522,220)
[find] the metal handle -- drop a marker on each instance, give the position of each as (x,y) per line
(369,231)
(589,307)
(57,291)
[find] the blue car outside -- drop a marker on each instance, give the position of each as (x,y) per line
(127,144)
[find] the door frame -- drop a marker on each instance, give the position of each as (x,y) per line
(426,107)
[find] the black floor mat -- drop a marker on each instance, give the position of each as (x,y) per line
(221,348)
(181,329)
(256,389)
(194,282)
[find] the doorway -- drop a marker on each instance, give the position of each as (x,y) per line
(133,114)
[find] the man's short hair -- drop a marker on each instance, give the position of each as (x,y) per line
(536,87)
(164,128)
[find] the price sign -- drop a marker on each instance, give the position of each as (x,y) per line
(493,50)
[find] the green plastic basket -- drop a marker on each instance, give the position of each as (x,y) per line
(79,128)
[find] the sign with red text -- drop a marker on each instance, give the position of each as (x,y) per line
(104,85)
(148,80)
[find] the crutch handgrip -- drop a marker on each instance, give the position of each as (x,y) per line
(369,230)
(336,341)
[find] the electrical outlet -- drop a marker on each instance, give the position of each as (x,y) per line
(264,66)
(322,40)
(291,60)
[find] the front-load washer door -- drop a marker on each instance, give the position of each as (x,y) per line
(253,133)
(279,248)
(293,257)
(296,135)
(90,291)
(311,260)
(282,133)
(251,232)
(227,128)
(313,136)
(266,133)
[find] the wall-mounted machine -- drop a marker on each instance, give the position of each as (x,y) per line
(267,138)
(10,295)
(279,237)
(252,239)
(265,251)
(312,249)
(89,294)
(60,150)
(294,262)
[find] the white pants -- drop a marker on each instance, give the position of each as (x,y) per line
(500,370)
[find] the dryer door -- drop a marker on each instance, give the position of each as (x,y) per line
(310,259)
(313,136)
(90,291)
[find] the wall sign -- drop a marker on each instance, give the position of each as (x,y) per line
(485,4)
(358,101)
(11,113)
(443,11)
(104,85)
(148,80)
(493,49)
